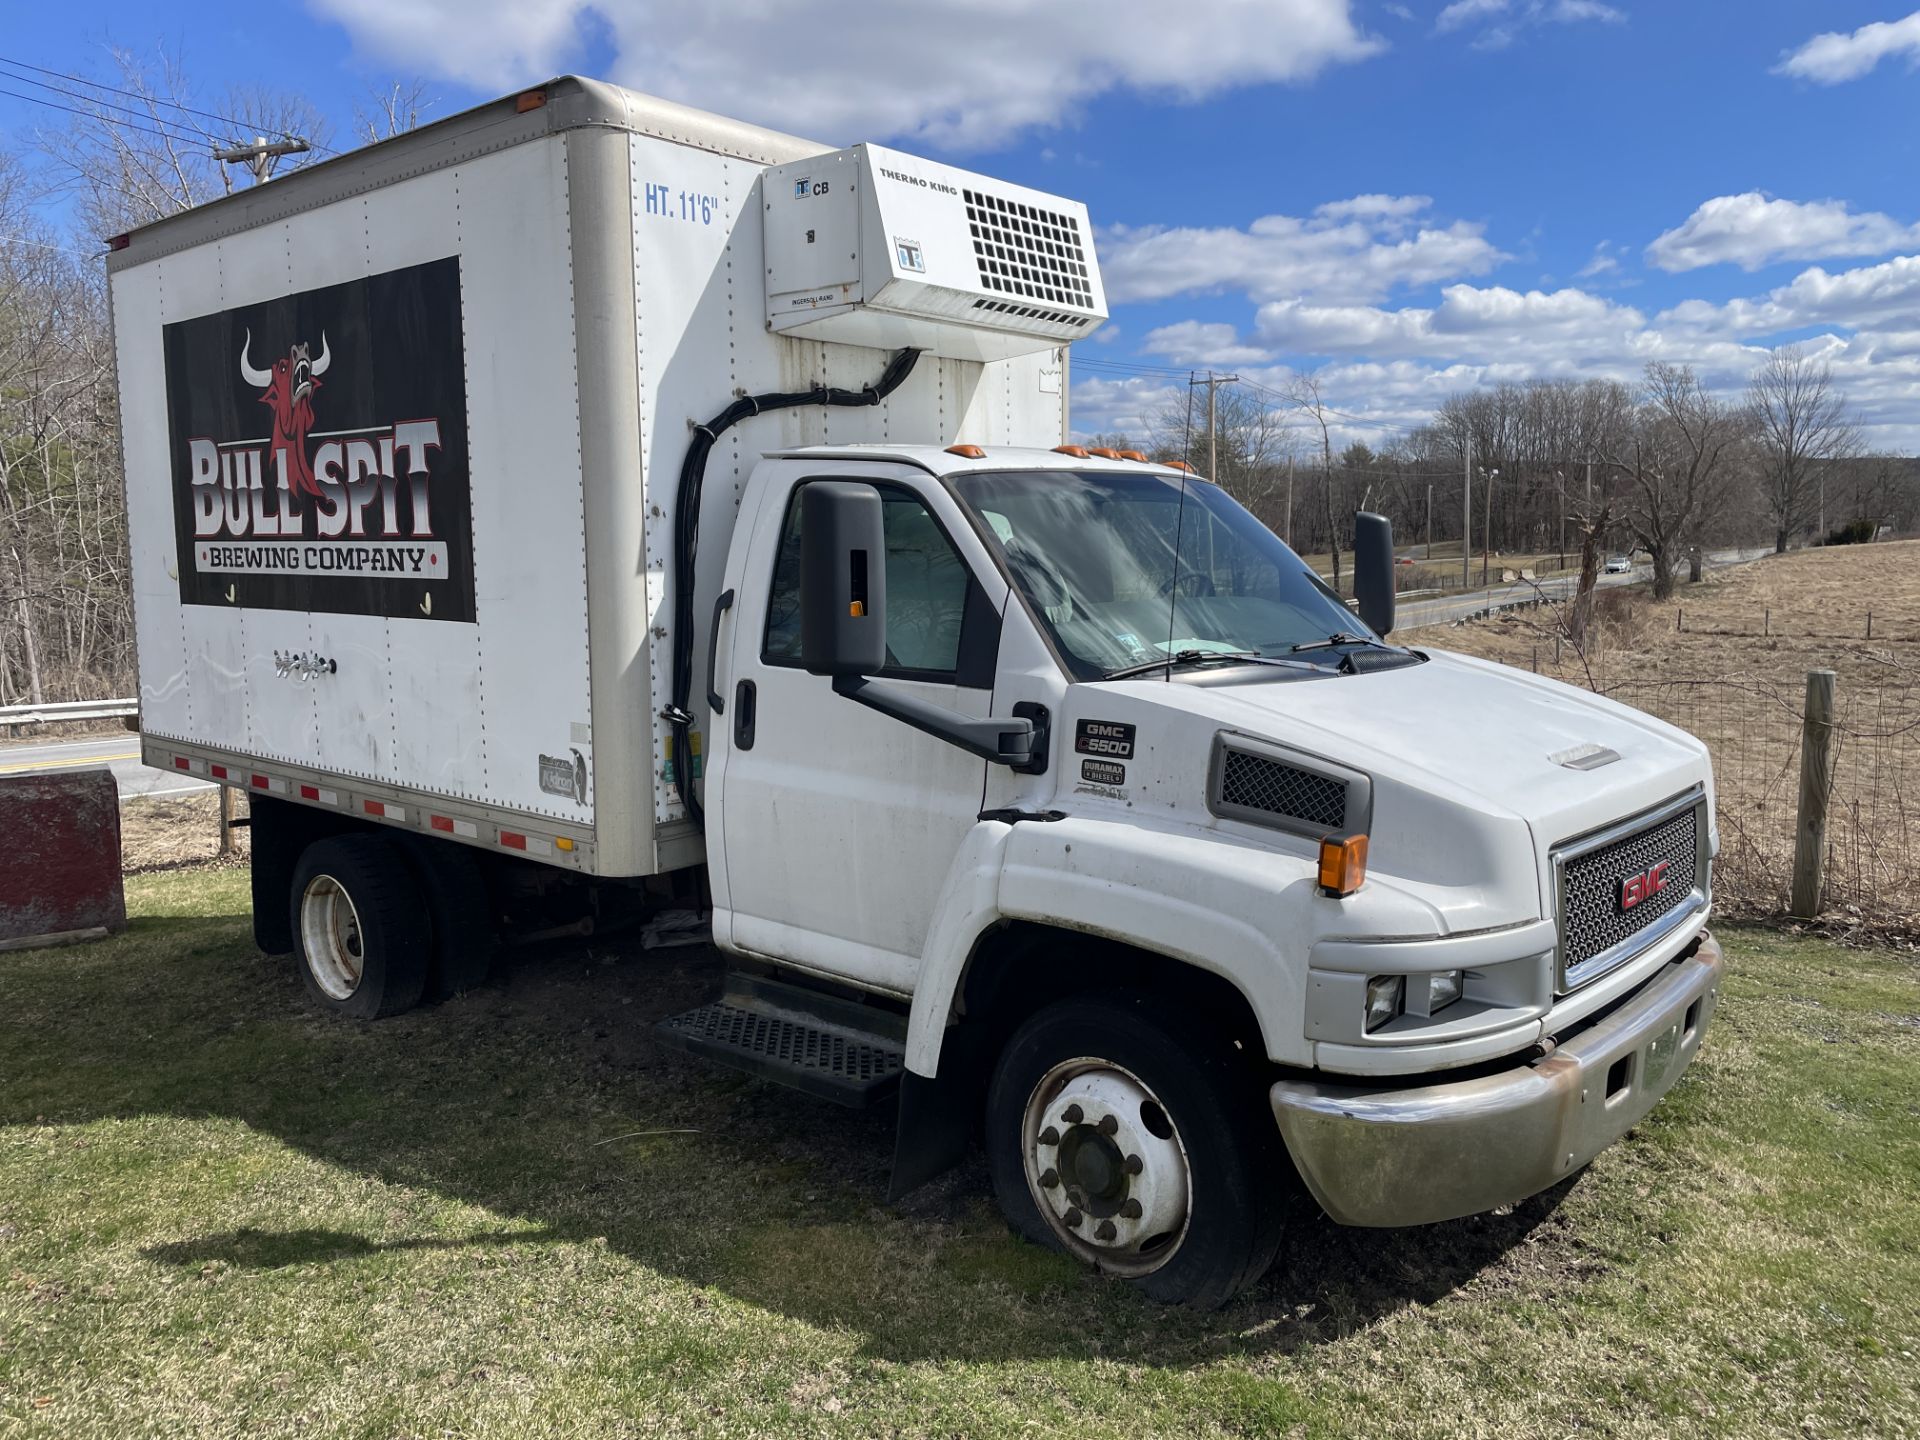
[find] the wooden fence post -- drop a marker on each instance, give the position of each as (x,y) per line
(1816,788)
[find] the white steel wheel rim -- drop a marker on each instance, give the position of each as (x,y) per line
(330,934)
(1106,1166)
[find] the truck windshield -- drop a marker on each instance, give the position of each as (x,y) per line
(1122,574)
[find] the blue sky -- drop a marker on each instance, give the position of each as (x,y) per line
(1410,197)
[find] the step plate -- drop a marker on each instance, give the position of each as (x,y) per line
(827,1062)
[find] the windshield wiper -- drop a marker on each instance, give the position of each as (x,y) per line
(1195,657)
(1339,637)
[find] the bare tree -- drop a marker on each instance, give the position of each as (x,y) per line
(148,153)
(1805,427)
(1677,464)
(1306,396)
(392,111)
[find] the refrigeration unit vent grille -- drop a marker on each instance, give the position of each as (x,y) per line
(1026,251)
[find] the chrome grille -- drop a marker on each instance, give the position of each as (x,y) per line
(1593,919)
(1253,782)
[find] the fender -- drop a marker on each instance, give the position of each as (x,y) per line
(1213,900)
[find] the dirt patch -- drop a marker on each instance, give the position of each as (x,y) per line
(169,831)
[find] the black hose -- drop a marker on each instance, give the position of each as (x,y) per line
(686,543)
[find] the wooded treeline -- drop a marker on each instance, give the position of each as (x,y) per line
(134,147)
(1663,466)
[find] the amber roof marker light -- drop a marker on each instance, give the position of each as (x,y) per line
(967,452)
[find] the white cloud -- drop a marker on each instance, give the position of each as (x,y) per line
(1836,56)
(1465,12)
(1604,262)
(962,73)
(1392,365)
(1753,230)
(1194,342)
(1505,20)
(1357,249)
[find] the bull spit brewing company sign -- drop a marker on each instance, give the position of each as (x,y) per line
(320,450)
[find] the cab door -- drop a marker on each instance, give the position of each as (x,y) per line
(839,824)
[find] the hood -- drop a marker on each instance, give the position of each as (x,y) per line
(1477,770)
(1478,732)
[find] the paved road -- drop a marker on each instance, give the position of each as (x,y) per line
(120,753)
(1445,609)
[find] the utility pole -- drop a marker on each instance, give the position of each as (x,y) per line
(1429,554)
(1213,382)
(1486,527)
(1289,502)
(1466,520)
(260,157)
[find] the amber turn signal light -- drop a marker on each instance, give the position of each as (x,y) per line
(1343,864)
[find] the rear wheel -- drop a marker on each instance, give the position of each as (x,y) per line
(1134,1142)
(359,926)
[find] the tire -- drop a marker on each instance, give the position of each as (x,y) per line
(459,915)
(360,926)
(1165,1170)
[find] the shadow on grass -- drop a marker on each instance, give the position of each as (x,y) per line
(544,1098)
(251,1249)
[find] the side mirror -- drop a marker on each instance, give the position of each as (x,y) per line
(1373,569)
(843,579)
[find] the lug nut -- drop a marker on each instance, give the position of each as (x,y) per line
(1108,1124)
(1049,1136)
(1134,1165)
(1073,1218)
(1051,1178)
(1106,1231)
(1073,1115)
(1129,1209)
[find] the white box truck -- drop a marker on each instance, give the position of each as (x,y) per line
(586,504)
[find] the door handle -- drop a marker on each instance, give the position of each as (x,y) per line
(745,702)
(722,603)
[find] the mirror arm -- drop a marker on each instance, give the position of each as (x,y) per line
(1018,742)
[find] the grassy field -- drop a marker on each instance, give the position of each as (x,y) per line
(224,1214)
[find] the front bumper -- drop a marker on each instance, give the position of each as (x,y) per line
(1414,1155)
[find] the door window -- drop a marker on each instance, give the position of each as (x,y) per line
(932,601)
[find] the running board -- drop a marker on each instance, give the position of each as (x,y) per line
(833,1048)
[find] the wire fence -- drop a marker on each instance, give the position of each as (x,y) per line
(1753,730)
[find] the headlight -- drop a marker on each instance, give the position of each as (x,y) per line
(1443,989)
(1386,998)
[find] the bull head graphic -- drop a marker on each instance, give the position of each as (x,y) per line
(287,390)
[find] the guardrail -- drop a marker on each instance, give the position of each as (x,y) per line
(49,711)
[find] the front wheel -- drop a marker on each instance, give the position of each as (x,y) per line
(359,926)
(1136,1144)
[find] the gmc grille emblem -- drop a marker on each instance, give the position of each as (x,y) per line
(1635,889)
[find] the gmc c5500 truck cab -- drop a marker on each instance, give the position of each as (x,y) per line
(587,504)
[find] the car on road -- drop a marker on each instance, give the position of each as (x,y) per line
(1619,565)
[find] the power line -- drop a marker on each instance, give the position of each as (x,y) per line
(237,125)
(95,100)
(194,140)
(118,90)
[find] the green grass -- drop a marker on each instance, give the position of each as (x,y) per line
(223,1214)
